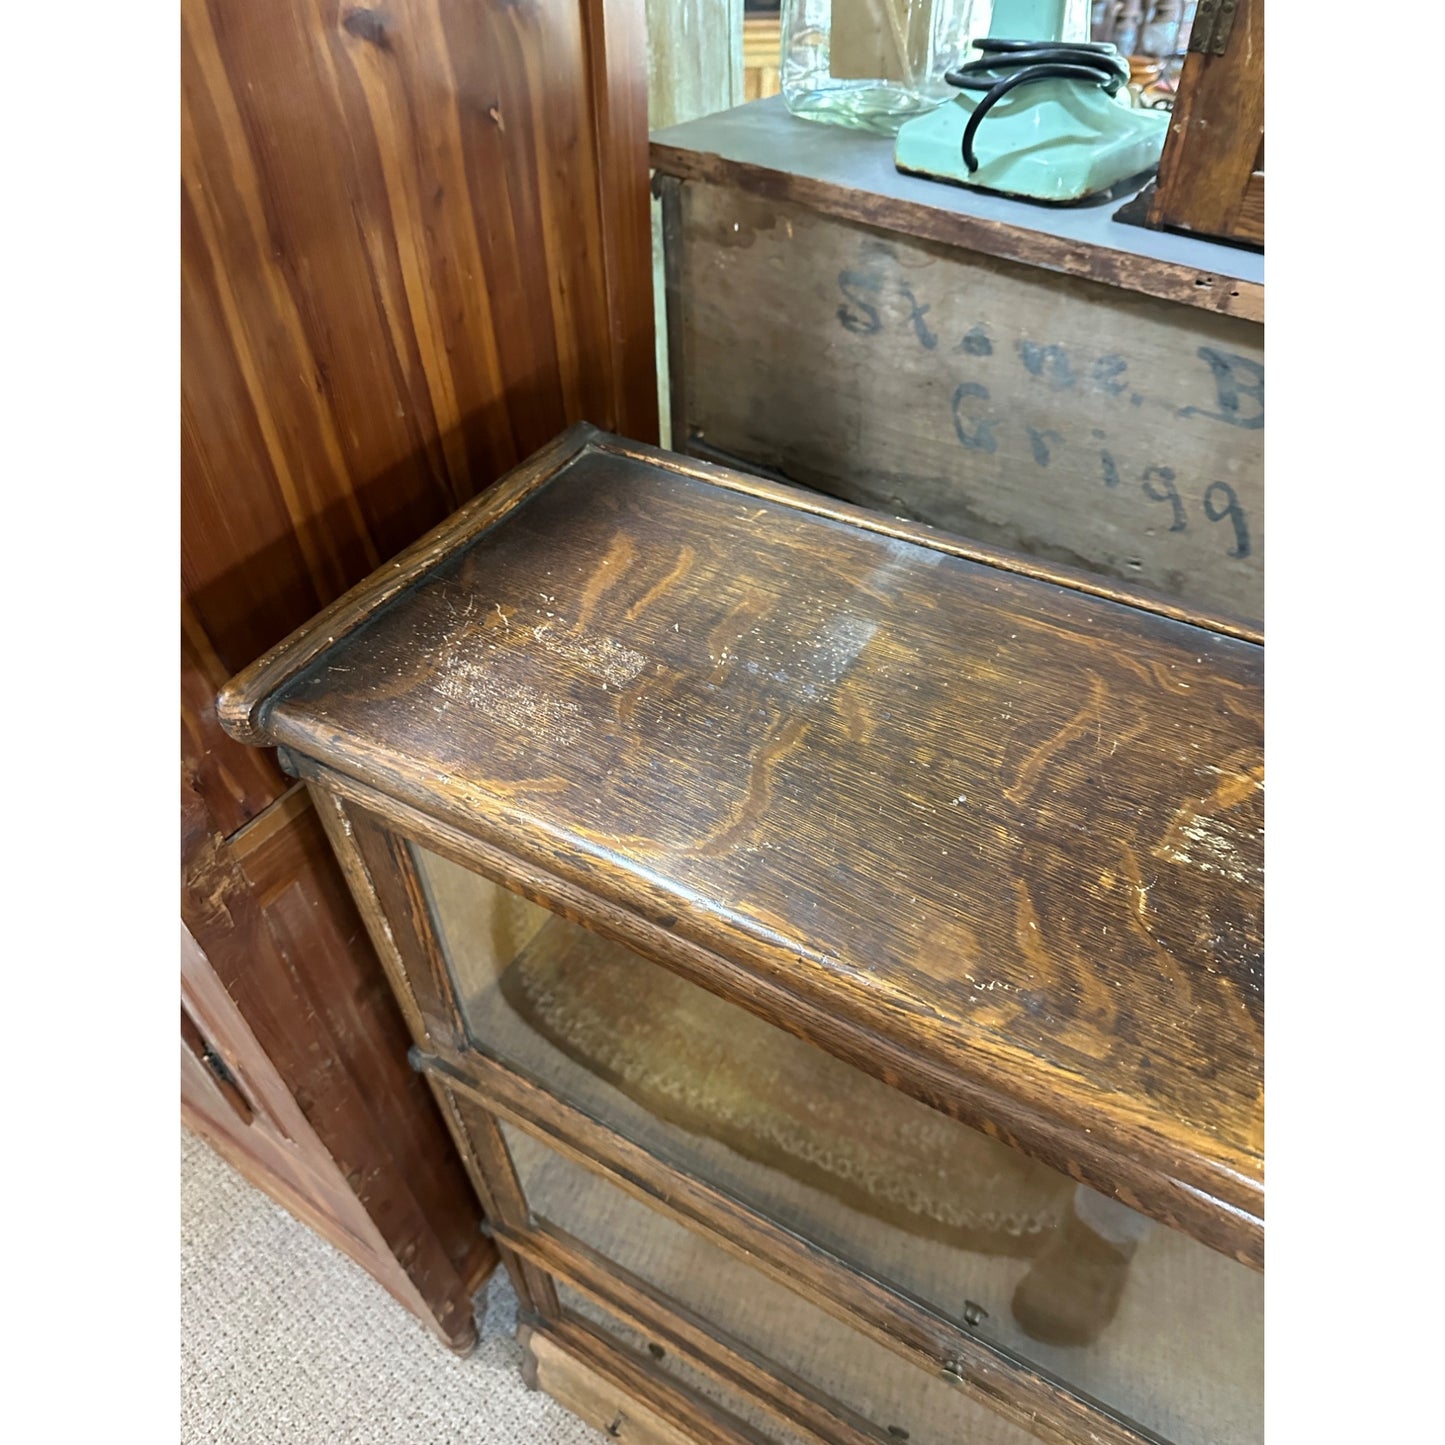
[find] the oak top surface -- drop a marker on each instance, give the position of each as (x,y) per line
(1014,826)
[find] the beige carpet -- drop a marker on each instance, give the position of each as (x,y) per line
(284,1339)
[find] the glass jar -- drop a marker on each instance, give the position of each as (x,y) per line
(874,63)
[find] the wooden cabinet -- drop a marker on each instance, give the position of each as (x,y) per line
(836,948)
(419,1239)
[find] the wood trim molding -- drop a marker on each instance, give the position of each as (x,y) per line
(1149,277)
(242,699)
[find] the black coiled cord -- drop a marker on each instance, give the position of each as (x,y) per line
(1019,62)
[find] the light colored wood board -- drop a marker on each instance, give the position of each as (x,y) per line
(694,58)
(762,56)
(594,1399)
(1032,411)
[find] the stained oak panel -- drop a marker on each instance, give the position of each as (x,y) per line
(1009,830)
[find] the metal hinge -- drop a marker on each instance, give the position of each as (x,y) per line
(1212,23)
(217,1065)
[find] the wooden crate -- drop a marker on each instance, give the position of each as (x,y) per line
(1056,383)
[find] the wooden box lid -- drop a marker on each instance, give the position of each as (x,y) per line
(987,831)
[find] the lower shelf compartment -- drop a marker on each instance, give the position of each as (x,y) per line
(622,1398)
(1156,1327)
(873,1393)
(649,1353)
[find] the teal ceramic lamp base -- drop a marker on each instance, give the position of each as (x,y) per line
(1055,140)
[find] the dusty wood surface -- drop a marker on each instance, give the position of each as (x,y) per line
(761,149)
(1211,174)
(1058,417)
(1011,832)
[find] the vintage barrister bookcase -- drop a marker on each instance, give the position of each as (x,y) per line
(836,948)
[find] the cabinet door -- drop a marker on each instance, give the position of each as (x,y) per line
(233,1095)
(1159,1332)
(841,1381)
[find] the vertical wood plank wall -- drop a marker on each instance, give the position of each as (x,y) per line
(414,248)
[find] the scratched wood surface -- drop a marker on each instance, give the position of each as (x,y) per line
(1012,829)
(1053,415)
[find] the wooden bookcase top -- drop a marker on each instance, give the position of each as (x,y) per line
(762,148)
(992,831)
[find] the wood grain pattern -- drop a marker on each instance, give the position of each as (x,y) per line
(762,56)
(615,1395)
(994,1110)
(1211,174)
(278,932)
(1009,831)
(1248,224)
(413,248)
(274,1146)
(1047,414)
(694,58)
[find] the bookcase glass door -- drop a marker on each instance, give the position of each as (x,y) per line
(1157,1327)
